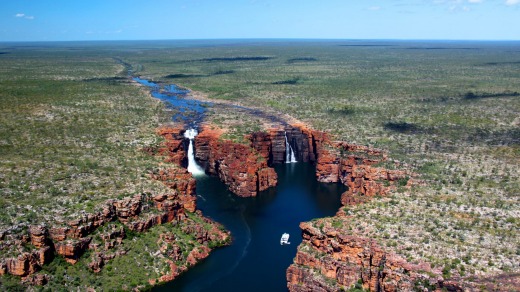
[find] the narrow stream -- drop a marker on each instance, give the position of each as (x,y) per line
(189,111)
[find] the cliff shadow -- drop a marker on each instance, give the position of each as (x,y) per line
(403,127)
(110,80)
(500,63)
(224,59)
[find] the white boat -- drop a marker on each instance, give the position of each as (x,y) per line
(285,239)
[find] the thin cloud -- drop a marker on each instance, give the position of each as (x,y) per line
(475,1)
(22,15)
(512,2)
(374,8)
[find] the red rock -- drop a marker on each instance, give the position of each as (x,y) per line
(261,142)
(38,236)
(241,167)
(97,263)
(71,250)
(3,268)
(327,167)
(58,233)
(197,254)
(25,264)
(344,260)
(267,178)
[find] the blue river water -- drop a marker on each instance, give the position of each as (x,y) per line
(256,261)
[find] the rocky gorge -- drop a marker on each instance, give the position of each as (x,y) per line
(328,259)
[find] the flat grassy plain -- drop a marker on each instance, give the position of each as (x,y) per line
(72,129)
(449,111)
(72,126)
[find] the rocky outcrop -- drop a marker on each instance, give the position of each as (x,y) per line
(330,260)
(241,167)
(27,263)
(72,249)
(172,147)
(206,239)
(277,138)
(261,142)
(138,213)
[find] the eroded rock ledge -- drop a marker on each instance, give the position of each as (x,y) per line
(330,260)
(28,253)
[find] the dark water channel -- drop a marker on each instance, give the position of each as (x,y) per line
(255,261)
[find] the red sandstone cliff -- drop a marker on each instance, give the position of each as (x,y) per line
(330,260)
(243,168)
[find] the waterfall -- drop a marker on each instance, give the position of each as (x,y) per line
(193,167)
(289,153)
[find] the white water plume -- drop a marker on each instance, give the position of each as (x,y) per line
(289,153)
(193,167)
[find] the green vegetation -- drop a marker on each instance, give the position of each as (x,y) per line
(70,139)
(71,127)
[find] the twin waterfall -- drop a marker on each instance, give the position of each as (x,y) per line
(289,152)
(196,170)
(193,167)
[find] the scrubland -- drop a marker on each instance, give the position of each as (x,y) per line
(72,127)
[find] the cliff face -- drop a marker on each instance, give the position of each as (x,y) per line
(137,213)
(243,168)
(329,260)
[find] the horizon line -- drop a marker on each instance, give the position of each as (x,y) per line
(264,39)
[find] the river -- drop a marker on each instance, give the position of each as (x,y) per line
(255,261)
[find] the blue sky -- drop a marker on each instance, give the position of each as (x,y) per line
(67,20)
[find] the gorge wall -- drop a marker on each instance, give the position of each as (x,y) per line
(328,259)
